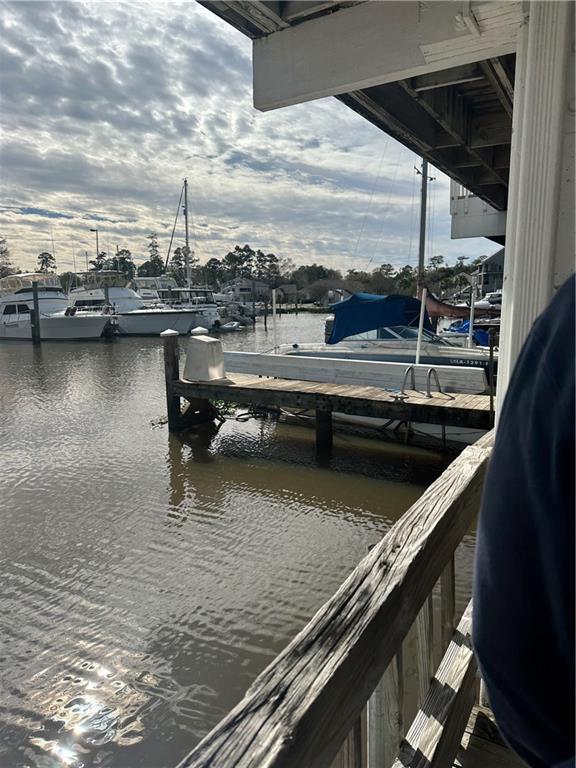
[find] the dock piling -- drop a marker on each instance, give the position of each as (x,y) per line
(323,431)
(35,315)
(171,374)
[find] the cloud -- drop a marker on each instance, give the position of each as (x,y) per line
(106,107)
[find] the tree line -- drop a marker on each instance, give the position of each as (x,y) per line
(312,280)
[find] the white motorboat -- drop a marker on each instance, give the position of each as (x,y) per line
(57,320)
(164,290)
(109,288)
(385,328)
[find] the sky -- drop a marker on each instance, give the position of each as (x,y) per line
(106,107)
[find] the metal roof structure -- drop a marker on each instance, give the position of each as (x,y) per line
(459,119)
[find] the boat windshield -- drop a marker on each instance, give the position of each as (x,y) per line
(23,283)
(395,332)
(102,278)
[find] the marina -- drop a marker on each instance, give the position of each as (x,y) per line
(287,478)
(91,611)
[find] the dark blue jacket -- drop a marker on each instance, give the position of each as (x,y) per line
(524,573)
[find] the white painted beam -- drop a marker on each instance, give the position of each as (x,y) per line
(540,222)
(374,43)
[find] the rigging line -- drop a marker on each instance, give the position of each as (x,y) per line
(371,196)
(174,228)
(386,203)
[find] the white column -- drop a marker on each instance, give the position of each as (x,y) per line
(541,104)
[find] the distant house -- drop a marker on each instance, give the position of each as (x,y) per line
(245,289)
(287,293)
(490,272)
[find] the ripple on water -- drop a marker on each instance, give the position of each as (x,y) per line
(147,580)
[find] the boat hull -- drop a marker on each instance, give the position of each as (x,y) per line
(57,328)
(147,323)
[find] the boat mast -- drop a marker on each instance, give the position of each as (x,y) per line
(187,253)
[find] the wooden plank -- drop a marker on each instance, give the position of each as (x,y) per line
(351,754)
(385,716)
(434,737)
(368,402)
(425,647)
(447,602)
(301,708)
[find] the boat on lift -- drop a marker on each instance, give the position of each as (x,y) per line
(57,320)
(109,289)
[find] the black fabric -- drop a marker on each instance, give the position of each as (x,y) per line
(524,573)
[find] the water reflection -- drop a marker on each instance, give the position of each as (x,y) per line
(147,578)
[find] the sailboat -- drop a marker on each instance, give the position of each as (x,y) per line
(197,297)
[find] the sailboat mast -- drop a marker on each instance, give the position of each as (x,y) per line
(422,241)
(187,254)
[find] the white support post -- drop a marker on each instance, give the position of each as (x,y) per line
(421,323)
(274,329)
(541,107)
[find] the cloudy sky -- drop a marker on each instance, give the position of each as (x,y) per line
(105,107)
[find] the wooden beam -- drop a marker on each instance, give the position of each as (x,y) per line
(302,707)
(434,737)
(456,76)
(292,10)
(265,15)
(323,431)
(171,374)
(452,113)
(500,81)
(370,44)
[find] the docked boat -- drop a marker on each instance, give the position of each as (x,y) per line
(165,291)
(386,328)
(57,320)
(109,289)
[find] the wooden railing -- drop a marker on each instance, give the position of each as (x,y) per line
(308,708)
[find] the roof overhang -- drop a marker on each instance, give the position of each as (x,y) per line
(437,76)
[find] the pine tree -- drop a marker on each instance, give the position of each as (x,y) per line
(6,266)
(46,262)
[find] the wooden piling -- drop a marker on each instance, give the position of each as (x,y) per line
(323,431)
(35,315)
(171,374)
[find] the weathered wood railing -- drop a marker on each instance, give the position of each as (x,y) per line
(307,708)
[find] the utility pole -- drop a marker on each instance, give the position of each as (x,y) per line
(422,241)
(187,254)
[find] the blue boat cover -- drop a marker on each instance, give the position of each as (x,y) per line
(363,312)
(462,326)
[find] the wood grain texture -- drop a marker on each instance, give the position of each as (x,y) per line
(472,411)
(425,647)
(447,602)
(435,735)
(385,716)
(301,708)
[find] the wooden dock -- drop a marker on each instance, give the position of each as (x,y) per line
(324,398)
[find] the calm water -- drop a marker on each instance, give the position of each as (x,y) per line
(147,579)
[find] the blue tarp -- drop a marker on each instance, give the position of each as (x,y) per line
(480,337)
(363,312)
